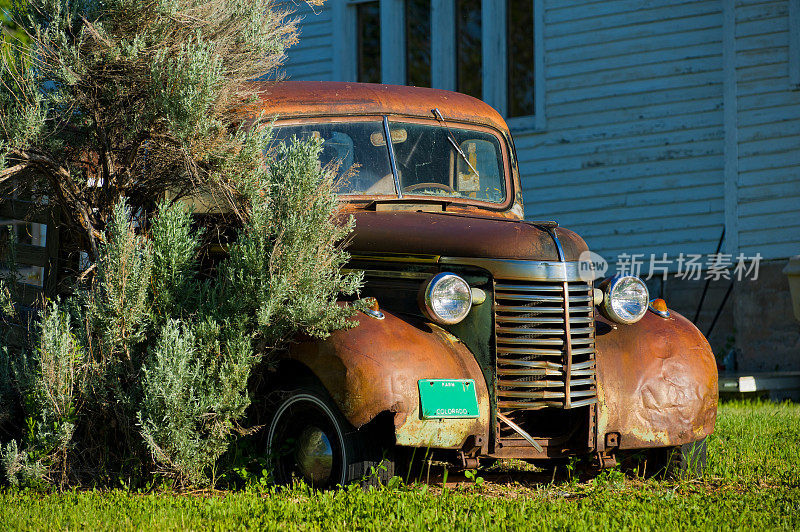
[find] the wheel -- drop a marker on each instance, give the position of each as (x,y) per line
(688,460)
(683,461)
(308,439)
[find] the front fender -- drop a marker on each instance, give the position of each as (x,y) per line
(657,382)
(375,366)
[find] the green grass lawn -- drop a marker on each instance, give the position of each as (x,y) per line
(752,483)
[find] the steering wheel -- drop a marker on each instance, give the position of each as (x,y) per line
(418,186)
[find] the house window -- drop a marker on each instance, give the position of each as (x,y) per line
(489,49)
(520,58)
(469,50)
(368,31)
(418,42)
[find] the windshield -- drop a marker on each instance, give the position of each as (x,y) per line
(429,161)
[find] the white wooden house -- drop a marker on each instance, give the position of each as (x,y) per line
(648,126)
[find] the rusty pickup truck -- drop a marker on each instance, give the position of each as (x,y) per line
(485,340)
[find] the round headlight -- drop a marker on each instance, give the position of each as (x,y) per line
(625,299)
(446,298)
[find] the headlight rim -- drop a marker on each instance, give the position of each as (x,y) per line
(606,308)
(426,304)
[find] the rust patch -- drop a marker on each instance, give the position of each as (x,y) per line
(288,99)
(375,367)
(657,382)
(423,233)
(443,433)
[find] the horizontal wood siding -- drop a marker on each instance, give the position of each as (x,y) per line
(632,156)
(768,116)
(312,57)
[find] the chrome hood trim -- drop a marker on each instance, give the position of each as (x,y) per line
(521,270)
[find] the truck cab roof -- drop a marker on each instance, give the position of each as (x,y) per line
(290,99)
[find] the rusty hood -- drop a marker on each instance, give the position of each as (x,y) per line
(459,235)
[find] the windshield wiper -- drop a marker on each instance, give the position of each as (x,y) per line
(452,140)
(392,161)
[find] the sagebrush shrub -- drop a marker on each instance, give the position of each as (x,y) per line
(174,283)
(51,381)
(195,389)
(282,276)
(113,113)
(150,362)
(18,468)
(146,94)
(120,304)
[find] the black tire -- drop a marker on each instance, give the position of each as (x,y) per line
(688,460)
(308,439)
(683,461)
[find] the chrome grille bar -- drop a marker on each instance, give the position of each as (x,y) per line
(545,344)
(568,355)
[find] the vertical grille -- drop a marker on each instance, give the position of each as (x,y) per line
(545,347)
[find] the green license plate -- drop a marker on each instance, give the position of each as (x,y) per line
(448,398)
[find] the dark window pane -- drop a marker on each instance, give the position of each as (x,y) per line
(418,43)
(468,47)
(24,233)
(356,150)
(369,42)
(520,57)
(428,165)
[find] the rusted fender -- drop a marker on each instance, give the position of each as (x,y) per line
(657,382)
(375,367)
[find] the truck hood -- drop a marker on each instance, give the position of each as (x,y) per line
(457,235)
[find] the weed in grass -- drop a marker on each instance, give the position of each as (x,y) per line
(473,476)
(607,479)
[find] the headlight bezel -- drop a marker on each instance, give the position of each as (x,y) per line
(607,309)
(427,295)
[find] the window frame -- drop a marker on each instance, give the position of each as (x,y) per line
(495,75)
(794,44)
(443,52)
(505,155)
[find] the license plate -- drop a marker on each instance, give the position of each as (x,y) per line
(448,398)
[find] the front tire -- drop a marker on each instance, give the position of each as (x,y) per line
(681,462)
(308,439)
(689,460)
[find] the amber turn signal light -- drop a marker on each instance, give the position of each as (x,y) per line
(373,310)
(659,306)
